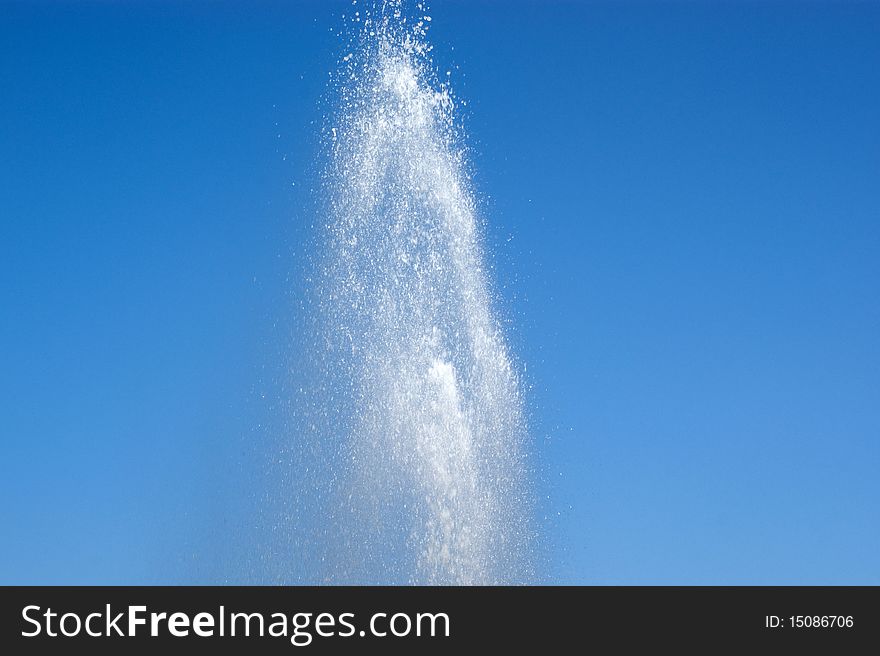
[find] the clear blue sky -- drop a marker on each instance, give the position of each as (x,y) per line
(683,208)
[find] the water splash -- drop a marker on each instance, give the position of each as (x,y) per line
(420,408)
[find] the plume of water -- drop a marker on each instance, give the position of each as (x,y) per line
(421,410)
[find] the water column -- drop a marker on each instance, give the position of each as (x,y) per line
(429,476)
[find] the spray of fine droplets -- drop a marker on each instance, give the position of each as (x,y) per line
(421,473)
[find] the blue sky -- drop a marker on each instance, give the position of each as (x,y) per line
(683,214)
